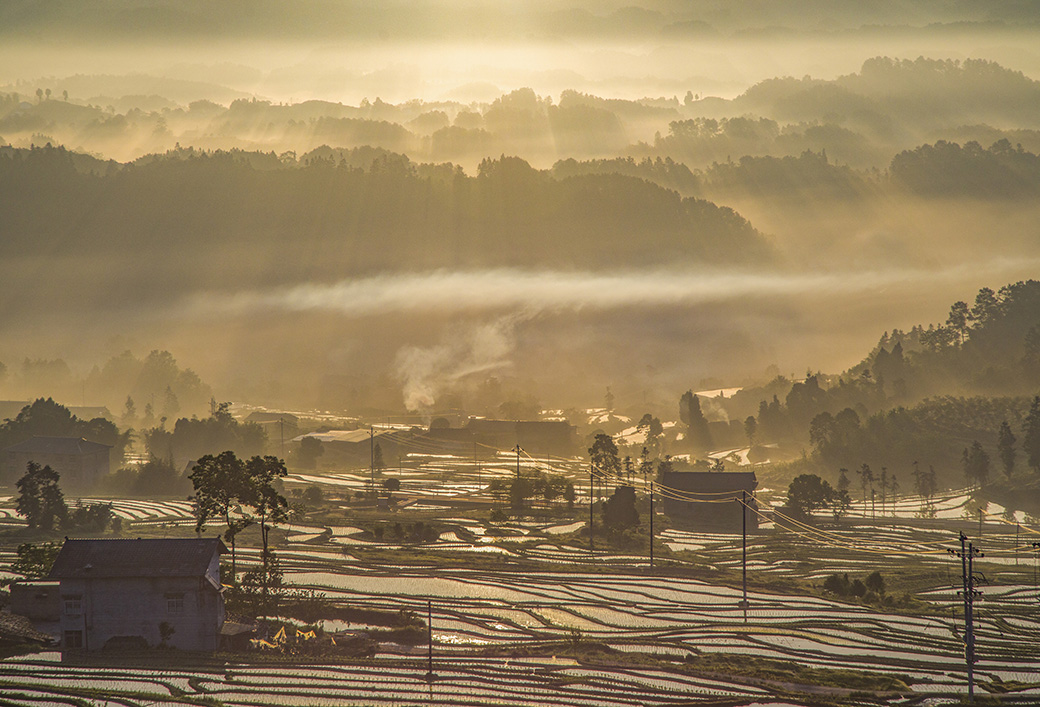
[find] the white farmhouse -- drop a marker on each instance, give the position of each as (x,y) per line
(133,593)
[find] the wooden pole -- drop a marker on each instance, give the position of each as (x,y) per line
(651,523)
(743,532)
(429,630)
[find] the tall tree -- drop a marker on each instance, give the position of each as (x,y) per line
(1031,440)
(604,455)
(654,431)
(261,496)
(40,500)
(1006,448)
(807,493)
(976,464)
(698,434)
(958,319)
(221,486)
(750,428)
(866,478)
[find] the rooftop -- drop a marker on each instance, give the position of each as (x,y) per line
(171,557)
(58,445)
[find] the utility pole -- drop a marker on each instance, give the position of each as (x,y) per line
(281,435)
(476,464)
(517,450)
(651,523)
(592,471)
(1018,526)
(429,632)
(967,553)
(743,533)
(980,522)
(372,454)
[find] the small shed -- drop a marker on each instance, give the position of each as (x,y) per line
(140,592)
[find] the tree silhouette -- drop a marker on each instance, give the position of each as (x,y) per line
(604,456)
(1031,441)
(619,511)
(40,500)
(221,486)
(1006,448)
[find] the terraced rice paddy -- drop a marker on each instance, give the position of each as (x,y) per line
(606,598)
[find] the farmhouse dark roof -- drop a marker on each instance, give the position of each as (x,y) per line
(180,557)
(58,445)
(708,482)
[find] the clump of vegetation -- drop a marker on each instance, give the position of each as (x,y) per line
(791,672)
(42,503)
(869,590)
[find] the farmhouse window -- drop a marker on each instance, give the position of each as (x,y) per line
(73,605)
(174,603)
(73,639)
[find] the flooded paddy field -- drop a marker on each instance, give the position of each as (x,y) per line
(509,595)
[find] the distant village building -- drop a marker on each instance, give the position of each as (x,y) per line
(536,437)
(279,426)
(81,464)
(356,446)
(710,500)
(132,593)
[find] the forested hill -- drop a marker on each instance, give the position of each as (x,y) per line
(991,346)
(391,213)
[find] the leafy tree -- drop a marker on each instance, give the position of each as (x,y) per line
(875,582)
(261,496)
(619,511)
(866,478)
(976,464)
(221,486)
(1006,448)
(309,452)
(171,405)
(129,413)
(653,429)
(604,456)
(392,486)
(843,479)
(34,561)
(314,495)
(1031,441)
(807,493)
(837,584)
(91,517)
(841,504)
(750,427)
(698,434)
(958,320)
(664,466)
(40,500)
(158,477)
(377,458)
(569,495)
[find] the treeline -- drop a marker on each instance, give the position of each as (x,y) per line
(425,215)
(860,120)
(874,414)
(46,418)
(137,391)
(943,170)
